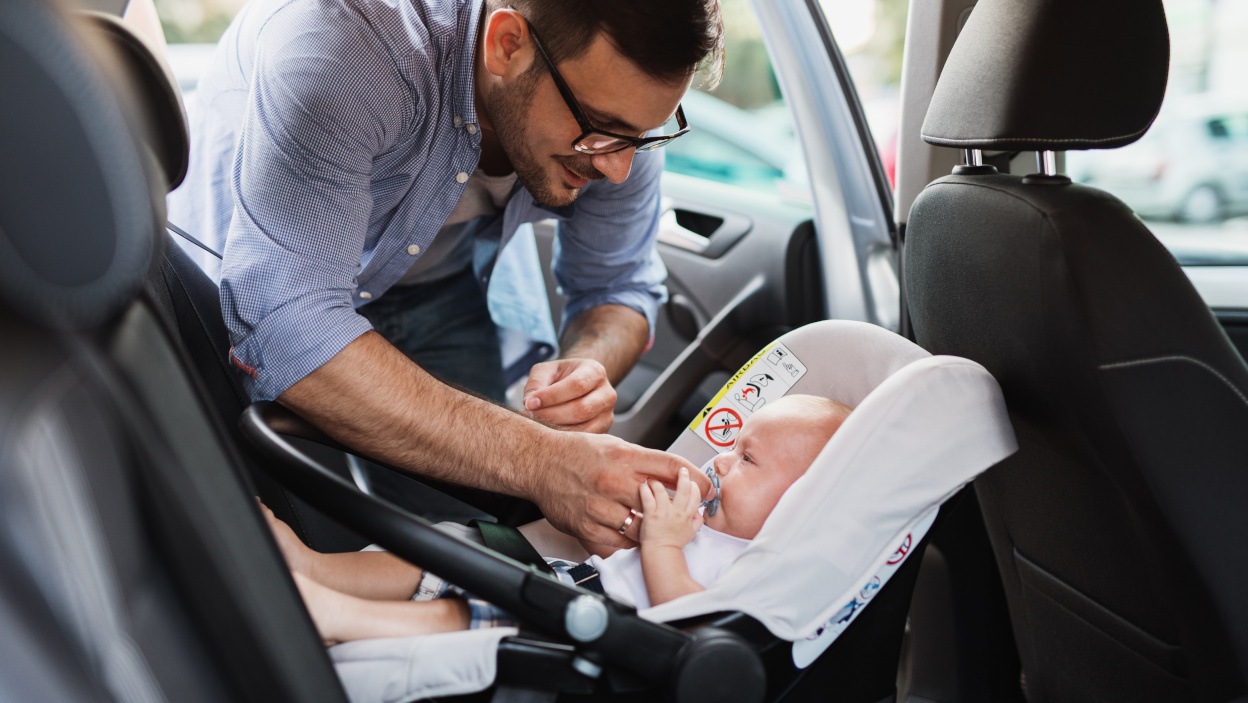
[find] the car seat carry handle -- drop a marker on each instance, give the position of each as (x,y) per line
(656,653)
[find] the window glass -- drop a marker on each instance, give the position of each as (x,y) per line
(192,28)
(1187,178)
(871,35)
(196,21)
(741,134)
(704,154)
(747,133)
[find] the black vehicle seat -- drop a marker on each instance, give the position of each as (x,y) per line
(1117,527)
(134,563)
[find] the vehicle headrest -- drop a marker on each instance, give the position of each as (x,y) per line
(165,131)
(79,205)
(1053,75)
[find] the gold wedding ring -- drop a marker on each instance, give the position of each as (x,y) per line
(628,521)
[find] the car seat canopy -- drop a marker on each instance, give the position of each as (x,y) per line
(1066,74)
(922,428)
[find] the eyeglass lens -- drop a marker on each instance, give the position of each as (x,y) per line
(595,143)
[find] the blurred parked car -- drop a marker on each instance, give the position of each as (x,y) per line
(754,150)
(1192,166)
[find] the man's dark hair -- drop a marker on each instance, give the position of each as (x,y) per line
(667,39)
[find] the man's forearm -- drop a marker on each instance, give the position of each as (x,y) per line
(370,396)
(613,335)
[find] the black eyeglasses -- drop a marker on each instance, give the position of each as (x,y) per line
(596,141)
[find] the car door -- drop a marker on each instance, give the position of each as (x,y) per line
(776,214)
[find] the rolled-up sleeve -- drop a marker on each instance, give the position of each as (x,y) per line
(320,108)
(605,251)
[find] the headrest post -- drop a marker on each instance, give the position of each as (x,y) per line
(1046,161)
(973,157)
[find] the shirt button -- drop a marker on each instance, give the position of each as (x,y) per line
(366,295)
(461,177)
(458,120)
(413,249)
(472,129)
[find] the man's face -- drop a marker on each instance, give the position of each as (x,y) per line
(536,128)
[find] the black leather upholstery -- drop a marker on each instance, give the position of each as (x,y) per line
(1131,409)
(66,200)
(134,564)
(1052,75)
(160,107)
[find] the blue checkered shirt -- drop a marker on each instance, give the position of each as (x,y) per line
(329,144)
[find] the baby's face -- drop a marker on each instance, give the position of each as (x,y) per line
(776,446)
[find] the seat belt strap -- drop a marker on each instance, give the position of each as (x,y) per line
(586,577)
(187,236)
(509,542)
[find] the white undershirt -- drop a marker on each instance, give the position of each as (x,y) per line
(708,555)
(451,250)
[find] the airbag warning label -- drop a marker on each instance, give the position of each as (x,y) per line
(766,377)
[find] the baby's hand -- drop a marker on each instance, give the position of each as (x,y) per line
(670,521)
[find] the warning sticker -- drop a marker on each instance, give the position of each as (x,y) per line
(721,427)
(765,378)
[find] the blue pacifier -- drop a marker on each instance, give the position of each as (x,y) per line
(712,505)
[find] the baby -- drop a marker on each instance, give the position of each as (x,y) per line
(360,595)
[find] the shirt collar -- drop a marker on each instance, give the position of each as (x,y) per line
(466,28)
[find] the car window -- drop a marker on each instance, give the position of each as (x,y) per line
(1187,178)
(704,154)
(1231,128)
(741,130)
(871,35)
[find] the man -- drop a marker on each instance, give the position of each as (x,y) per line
(365,150)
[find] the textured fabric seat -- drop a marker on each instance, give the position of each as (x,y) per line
(1129,401)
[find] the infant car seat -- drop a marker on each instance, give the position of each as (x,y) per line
(840,540)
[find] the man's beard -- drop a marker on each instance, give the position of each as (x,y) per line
(509,115)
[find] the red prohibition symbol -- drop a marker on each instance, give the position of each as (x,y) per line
(724,422)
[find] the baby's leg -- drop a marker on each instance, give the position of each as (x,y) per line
(372,575)
(340,617)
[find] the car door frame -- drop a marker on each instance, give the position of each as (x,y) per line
(852,198)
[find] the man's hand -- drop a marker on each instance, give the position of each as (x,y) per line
(589,489)
(575,392)
(670,522)
(571,394)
